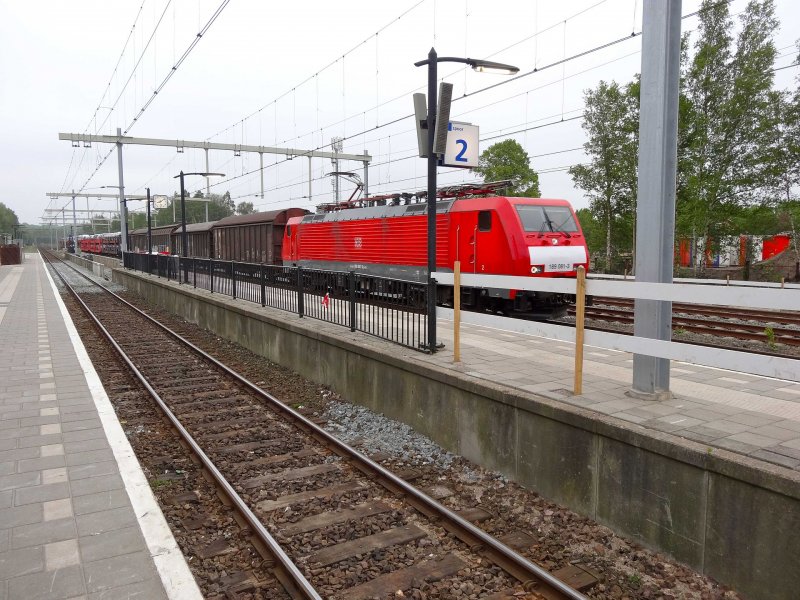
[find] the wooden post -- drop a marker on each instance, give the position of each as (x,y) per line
(457,311)
(580,309)
(783,282)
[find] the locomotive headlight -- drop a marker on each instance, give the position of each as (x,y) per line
(536,269)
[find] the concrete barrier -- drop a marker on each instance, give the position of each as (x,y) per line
(726,515)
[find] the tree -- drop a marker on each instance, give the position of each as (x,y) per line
(508,160)
(731,123)
(8,220)
(245,208)
(610,120)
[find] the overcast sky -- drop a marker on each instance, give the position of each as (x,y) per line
(307,71)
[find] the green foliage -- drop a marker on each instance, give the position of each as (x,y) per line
(508,160)
(738,138)
(8,220)
(245,208)
(609,179)
(769,332)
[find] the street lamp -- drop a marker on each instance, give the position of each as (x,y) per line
(184,236)
(482,66)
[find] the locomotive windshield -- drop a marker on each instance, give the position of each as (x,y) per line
(540,219)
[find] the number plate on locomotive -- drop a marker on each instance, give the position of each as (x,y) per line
(559,267)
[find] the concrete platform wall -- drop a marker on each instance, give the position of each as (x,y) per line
(728,516)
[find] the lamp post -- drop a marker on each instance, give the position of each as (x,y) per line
(184,236)
(482,66)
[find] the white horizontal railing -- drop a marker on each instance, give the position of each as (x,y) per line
(744,362)
(787,298)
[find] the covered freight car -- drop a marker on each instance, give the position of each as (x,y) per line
(255,238)
(200,240)
(160,237)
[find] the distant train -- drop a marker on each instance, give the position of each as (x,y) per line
(387,236)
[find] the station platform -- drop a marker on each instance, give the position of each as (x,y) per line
(77,518)
(747,414)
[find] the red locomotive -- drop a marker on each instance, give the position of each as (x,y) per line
(495,235)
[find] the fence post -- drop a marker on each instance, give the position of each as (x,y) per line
(457,311)
(351,284)
(300,291)
(194,271)
(263,287)
(169,264)
(580,310)
(233,281)
(211,272)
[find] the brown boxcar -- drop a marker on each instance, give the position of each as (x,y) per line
(200,241)
(160,237)
(254,238)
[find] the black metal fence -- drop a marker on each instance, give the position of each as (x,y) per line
(390,309)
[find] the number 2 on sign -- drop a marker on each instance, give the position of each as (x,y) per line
(460,155)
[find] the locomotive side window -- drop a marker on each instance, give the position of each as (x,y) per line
(484,220)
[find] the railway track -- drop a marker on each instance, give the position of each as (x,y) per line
(718,322)
(300,494)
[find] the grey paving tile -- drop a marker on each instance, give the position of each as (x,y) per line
(7,444)
(39,464)
(84,434)
(695,436)
(100,501)
(149,590)
(104,521)
(93,470)
(23,561)
(20,515)
(753,419)
(81,425)
(7,468)
(17,480)
(735,446)
(86,445)
(727,427)
(39,440)
(5,536)
(112,543)
(19,453)
(117,571)
(776,431)
(6,498)
(60,584)
(84,415)
(747,437)
(89,457)
(22,432)
(92,485)
(41,493)
(652,410)
(786,451)
(39,420)
(778,459)
(43,533)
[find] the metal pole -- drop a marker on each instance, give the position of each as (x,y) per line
(149,227)
(432,102)
(208,187)
(655,212)
(261,170)
(74,227)
(366,177)
(309,178)
(184,237)
(123,214)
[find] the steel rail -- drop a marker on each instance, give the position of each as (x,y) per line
(532,576)
(285,570)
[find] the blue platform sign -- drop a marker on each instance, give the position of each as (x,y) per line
(462,145)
